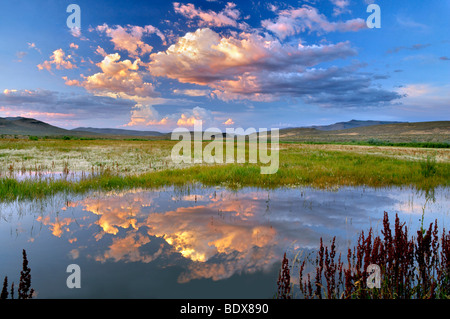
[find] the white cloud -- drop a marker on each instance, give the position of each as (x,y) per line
(117,79)
(129,38)
(295,21)
(229,16)
(59,59)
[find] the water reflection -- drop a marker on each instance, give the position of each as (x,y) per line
(203,233)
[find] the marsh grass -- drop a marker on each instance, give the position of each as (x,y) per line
(106,165)
(428,166)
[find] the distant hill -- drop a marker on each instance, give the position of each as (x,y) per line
(23,126)
(28,126)
(436,131)
(350,124)
(354,130)
(114,131)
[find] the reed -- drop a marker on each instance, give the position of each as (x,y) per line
(127,164)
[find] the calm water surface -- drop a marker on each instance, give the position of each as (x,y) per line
(191,243)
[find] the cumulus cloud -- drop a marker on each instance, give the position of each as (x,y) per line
(129,38)
(117,79)
(188,118)
(256,67)
(294,21)
(228,122)
(146,115)
(229,16)
(240,63)
(203,57)
(59,60)
(101,51)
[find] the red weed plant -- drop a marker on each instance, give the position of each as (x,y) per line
(411,267)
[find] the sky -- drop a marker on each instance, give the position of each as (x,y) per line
(158,65)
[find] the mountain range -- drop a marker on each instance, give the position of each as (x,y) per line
(436,131)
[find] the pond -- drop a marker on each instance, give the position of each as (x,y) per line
(200,242)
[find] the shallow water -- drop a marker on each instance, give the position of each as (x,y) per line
(49,175)
(191,243)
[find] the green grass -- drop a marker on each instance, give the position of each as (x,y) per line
(298,167)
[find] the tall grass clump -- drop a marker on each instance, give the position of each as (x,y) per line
(428,166)
(411,267)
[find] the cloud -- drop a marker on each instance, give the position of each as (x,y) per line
(59,60)
(295,21)
(32,45)
(246,64)
(58,227)
(414,47)
(129,38)
(340,6)
(51,105)
(226,17)
(331,87)
(76,32)
(20,55)
(228,122)
(188,118)
(117,79)
(127,249)
(409,23)
(192,92)
(101,51)
(204,57)
(146,115)
(419,99)
(258,67)
(10,111)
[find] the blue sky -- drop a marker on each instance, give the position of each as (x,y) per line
(156,65)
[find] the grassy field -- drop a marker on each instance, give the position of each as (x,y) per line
(119,164)
(419,134)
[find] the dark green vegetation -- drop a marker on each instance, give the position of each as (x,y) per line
(375,142)
(411,267)
(110,131)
